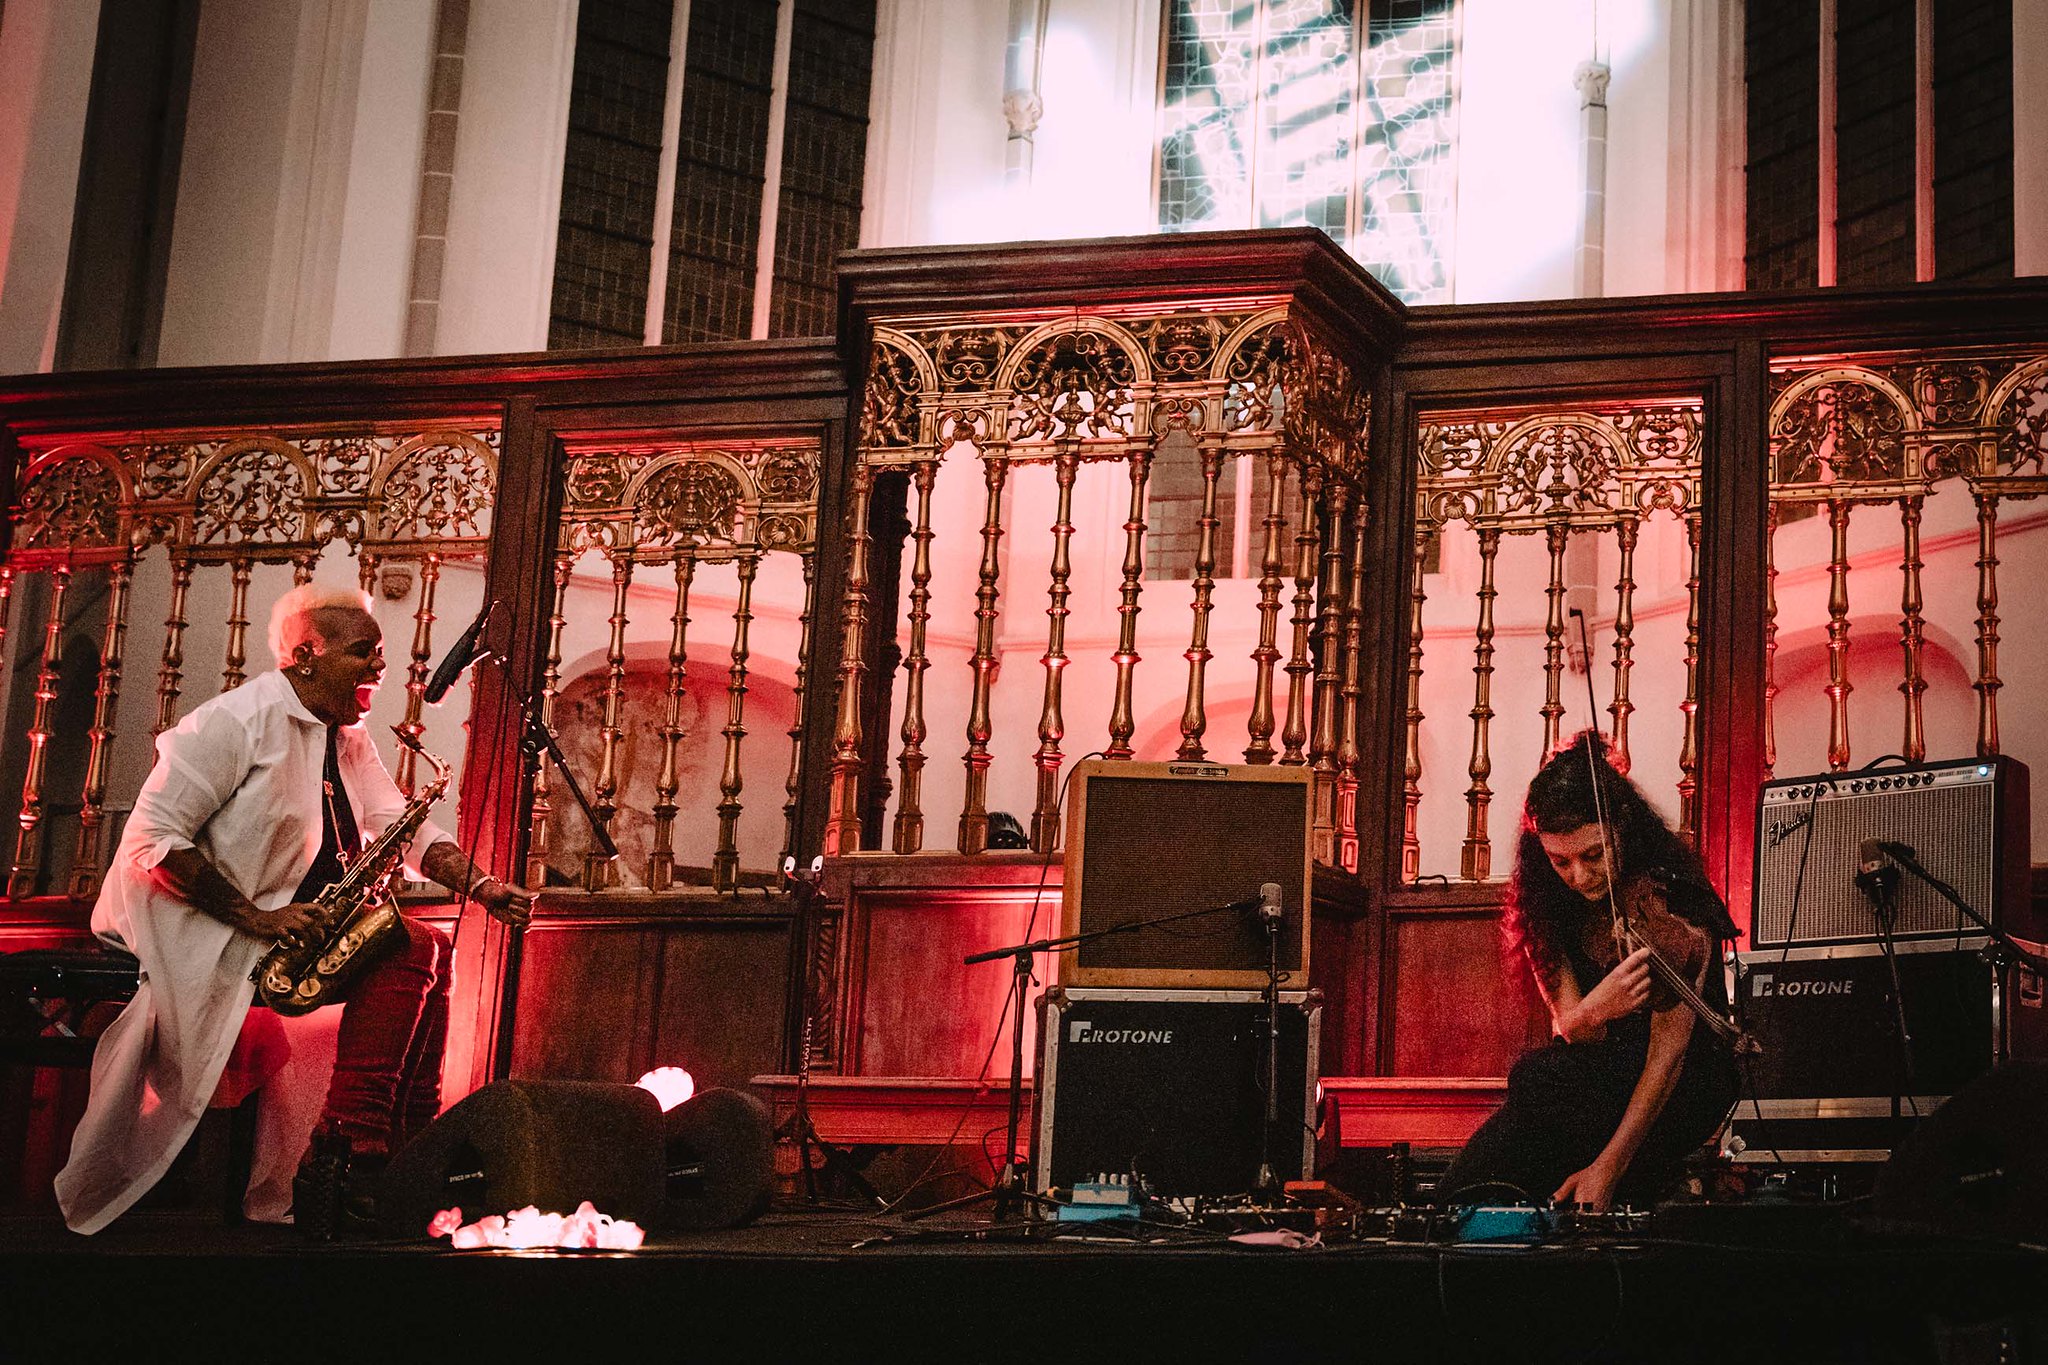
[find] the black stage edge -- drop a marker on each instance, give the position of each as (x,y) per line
(180,1286)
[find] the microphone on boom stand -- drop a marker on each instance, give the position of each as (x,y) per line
(460,656)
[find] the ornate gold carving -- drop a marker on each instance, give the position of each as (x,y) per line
(1072,386)
(889,402)
(1549,472)
(69,503)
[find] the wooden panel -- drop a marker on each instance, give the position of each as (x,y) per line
(612,986)
(1458,1008)
(924,1013)
(585,1000)
(1428,1111)
(721,1008)
(1375,1110)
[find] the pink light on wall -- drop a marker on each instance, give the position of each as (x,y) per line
(670,1084)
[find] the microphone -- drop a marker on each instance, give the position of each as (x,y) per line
(1876,875)
(460,655)
(1269,902)
(1904,853)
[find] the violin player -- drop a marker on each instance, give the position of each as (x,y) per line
(1632,1081)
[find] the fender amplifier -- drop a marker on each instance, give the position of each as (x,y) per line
(1171,1085)
(1967,821)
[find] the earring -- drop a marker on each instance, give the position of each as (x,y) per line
(305,670)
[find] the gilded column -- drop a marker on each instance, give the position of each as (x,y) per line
(1122,724)
(27,848)
(725,865)
(908,835)
(1267,654)
(1476,861)
(1626,532)
(1988,681)
(170,673)
(1559,534)
(1052,728)
(842,820)
(661,861)
(92,814)
(1194,720)
(1838,688)
(600,871)
(1912,630)
(980,719)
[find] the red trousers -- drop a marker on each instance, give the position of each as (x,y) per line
(394,1027)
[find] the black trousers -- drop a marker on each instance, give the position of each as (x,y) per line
(1564,1102)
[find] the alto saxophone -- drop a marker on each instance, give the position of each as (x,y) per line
(355,920)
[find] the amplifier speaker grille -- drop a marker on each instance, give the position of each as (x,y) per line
(1952,815)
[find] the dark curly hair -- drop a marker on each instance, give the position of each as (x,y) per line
(1540,909)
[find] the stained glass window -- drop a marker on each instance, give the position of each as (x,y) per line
(1337,114)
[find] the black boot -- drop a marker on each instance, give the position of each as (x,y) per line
(334,1193)
(317,1189)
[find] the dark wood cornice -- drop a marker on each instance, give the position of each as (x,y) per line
(379,390)
(1300,264)
(1916,316)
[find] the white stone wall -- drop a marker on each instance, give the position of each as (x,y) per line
(46,49)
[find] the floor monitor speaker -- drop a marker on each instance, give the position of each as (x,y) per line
(1978,1167)
(719,1162)
(553,1144)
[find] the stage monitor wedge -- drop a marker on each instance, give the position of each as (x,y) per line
(1151,839)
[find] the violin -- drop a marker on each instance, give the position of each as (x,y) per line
(1680,952)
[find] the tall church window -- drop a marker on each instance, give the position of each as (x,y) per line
(713,168)
(1880,139)
(1337,114)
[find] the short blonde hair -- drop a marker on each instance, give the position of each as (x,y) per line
(291,620)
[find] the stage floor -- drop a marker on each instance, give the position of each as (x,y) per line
(814,1285)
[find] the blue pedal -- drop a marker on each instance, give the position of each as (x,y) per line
(1096,1201)
(1515,1223)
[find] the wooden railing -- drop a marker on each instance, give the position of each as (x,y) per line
(194,511)
(1898,429)
(1071,411)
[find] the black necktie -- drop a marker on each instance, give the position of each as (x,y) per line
(338,834)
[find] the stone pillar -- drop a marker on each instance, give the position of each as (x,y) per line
(2029,139)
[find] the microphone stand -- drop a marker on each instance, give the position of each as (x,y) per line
(1010,1191)
(539,740)
(1267,1187)
(1880,886)
(2003,950)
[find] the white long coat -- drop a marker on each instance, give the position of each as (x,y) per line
(238,779)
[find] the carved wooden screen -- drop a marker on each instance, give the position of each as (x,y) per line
(1901,498)
(675,663)
(1062,417)
(203,531)
(1522,517)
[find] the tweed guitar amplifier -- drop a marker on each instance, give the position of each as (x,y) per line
(1151,839)
(1966,820)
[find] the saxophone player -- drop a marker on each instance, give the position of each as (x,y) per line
(255,802)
